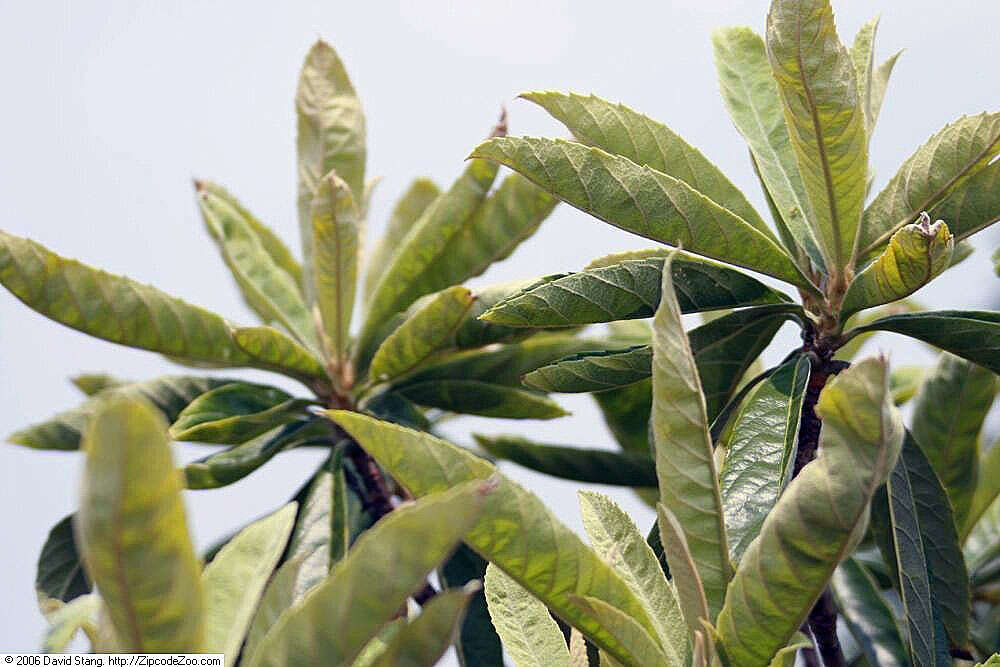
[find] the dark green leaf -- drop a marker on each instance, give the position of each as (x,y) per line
(235,413)
(60,574)
(867,615)
(475,397)
(973,206)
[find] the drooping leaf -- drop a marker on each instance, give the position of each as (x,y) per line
(684,571)
(825,119)
(618,130)
(269,290)
(594,466)
(760,444)
(629,290)
(685,461)
(947,417)
(387,564)
(528,631)
(514,522)
(801,541)
(916,254)
(272,350)
(475,397)
(942,164)
(236,412)
(95,383)
(335,228)
(170,395)
(974,205)
(133,530)
(60,574)
(970,334)
(234,581)
(477,642)
(867,615)
(987,489)
(80,614)
(422,641)
(114,308)
(643,201)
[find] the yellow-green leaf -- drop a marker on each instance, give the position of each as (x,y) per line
(527,630)
(235,413)
(64,622)
(271,349)
(636,639)
(422,641)
(690,591)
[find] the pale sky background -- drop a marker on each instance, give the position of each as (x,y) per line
(110,108)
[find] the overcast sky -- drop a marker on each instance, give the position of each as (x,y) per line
(110,108)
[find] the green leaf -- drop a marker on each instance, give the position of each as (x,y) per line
(905,381)
(643,201)
(974,205)
(626,413)
(825,119)
(236,412)
(528,631)
(626,630)
(594,466)
(407,210)
(478,642)
(169,394)
(755,107)
(994,661)
(987,488)
(422,641)
(685,461)
(417,266)
(863,57)
(114,308)
(801,542)
(80,614)
(60,574)
(133,530)
(272,350)
(629,290)
(916,254)
(982,546)
(335,228)
(616,539)
(269,290)
(684,572)
(234,581)
(593,371)
(94,383)
(475,397)
(946,161)
(867,615)
(970,334)
(280,594)
(618,130)
(476,332)
(423,333)
(514,523)
(333,623)
(947,418)
(760,443)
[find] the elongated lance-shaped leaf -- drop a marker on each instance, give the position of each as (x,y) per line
(879,84)
(514,522)
(279,595)
(475,397)
(170,395)
(916,254)
(948,159)
(528,631)
(59,574)
(333,623)
(114,308)
(971,334)
(760,444)
(336,227)
(863,57)
(476,332)
(273,350)
(629,290)
(974,205)
(755,107)
(407,210)
(683,571)
(234,581)
(132,530)
(268,289)
(237,412)
(618,130)
(947,418)
(478,642)
(867,615)
(987,489)
(643,201)
(616,539)
(685,461)
(626,630)
(826,123)
(594,466)
(64,622)
(426,331)
(422,641)
(412,267)
(331,135)
(788,566)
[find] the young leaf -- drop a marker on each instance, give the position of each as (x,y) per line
(114,308)
(336,226)
(878,85)
(422,641)
(528,631)
(478,642)
(133,530)
(825,120)
(863,57)
(684,571)
(234,581)
(916,254)
(629,290)
(643,201)
(867,615)
(974,205)
(514,522)
(618,130)
(60,574)
(760,444)
(786,568)
(333,623)
(685,461)
(937,168)
(272,350)
(235,413)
